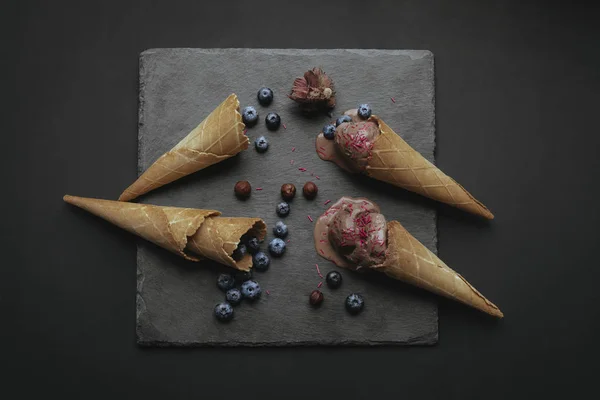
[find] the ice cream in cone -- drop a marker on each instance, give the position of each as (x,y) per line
(217,138)
(188,232)
(371,147)
(353,234)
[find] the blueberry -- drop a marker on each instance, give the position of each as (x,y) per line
(273,121)
(239,252)
(243,276)
(282,209)
(277,247)
(251,290)
(364,111)
(261,144)
(250,116)
(261,261)
(265,96)
(342,119)
(224,312)
(253,245)
(280,229)
(329,131)
(354,303)
(233,296)
(334,279)
(225,282)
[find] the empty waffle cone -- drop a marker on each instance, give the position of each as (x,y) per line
(394,161)
(175,228)
(410,261)
(217,138)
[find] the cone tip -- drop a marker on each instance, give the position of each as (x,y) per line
(126,196)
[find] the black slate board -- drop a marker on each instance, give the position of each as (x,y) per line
(178,88)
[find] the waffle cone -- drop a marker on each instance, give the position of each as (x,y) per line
(394,161)
(217,138)
(410,261)
(173,228)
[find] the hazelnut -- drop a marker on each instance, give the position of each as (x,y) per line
(316,298)
(310,190)
(242,189)
(288,191)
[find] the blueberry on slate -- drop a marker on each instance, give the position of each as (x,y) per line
(233,296)
(251,290)
(250,116)
(239,252)
(354,303)
(225,282)
(334,279)
(261,144)
(329,131)
(224,312)
(342,119)
(265,96)
(364,111)
(282,209)
(277,247)
(253,245)
(243,276)
(261,261)
(280,229)
(273,120)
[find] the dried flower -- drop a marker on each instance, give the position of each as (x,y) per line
(313,91)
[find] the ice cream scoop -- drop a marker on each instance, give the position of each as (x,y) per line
(358,232)
(355,142)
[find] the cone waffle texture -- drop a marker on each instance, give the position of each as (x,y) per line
(217,138)
(410,261)
(394,161)
(173,227)
(218,237)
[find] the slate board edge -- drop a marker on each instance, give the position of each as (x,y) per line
(426,340)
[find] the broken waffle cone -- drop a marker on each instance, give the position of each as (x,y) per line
(217,138)
(408,260)
(180,230)
(394,161)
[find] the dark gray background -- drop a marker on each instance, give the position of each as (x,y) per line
(517,96)
(179,87)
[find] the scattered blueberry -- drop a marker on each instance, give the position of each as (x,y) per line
(239,252)
(261,261)
(273,121)
(224,312)
(354,303)
(261,144)
(253,245)
(250,116)
(282,209)
(280,229)
(243,276)
(265,96)
(342,119)
(364,111)
(233,296)
(277,247)
(251,290)
(329,131)
(334,279)
(225,282)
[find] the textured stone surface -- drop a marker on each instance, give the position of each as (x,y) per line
(178,88)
